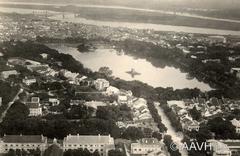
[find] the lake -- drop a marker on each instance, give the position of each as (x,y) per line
(120,64)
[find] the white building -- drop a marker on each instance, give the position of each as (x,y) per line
(0,101)
(236,71)
(91,142)
(190,125)
(147,146)
(219,149)
(112,91)
(236,123)
(6,74)
(95,104)
(101,84)
(25,142)
(29,81)
(54,101)
(34,106)
(125,97)
(217,39)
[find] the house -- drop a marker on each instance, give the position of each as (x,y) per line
(189,124)
(29,80)
(233,145)
(68,74)
(217,39)
(112,91)
(6,74)
(34,106)
(124,99)
(79,79)
(101,84)
(139,103)
(102,143)
(211,61)
(219,149)
(44,55)
(25,142)
(95,104)
(54,101)
(236,123)
(40,68)
(147,146)
(76,102)
(236,71)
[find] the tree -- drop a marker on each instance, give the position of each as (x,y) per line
(115,153)
(18,111)
(168,142)
(133,133)
(157,135)
(196,115)
(105,70)
(11,152)
(223,129)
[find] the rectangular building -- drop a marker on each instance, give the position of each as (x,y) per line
(102,143)
(25,142)
(146,146)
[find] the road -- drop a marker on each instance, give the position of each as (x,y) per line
(9,105)
(176,136)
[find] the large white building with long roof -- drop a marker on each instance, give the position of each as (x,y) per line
(101,143)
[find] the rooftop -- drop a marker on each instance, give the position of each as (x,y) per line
(24,139)
(89,139)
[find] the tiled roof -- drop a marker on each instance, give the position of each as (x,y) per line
(88,139)
(33,105)
(24,139)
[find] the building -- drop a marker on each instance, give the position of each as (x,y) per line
(25,142)
(219,149)
(29,81)
(112,91)
(236,123)
(0,101)
(102,143)
(34,106)
(236,71)
(95,104)
(54,101)
(190,125)
(123,99)
(147,146)
(101,84)
(69,75)
(40,68)
(6,74)
(217,39)
(233,145)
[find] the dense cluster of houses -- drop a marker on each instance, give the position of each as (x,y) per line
(207,108)
(181,110)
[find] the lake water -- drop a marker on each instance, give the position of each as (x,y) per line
(119,64)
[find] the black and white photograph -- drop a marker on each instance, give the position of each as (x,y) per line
(119,77)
